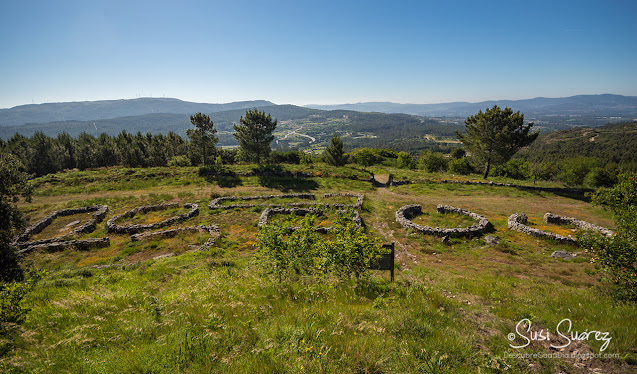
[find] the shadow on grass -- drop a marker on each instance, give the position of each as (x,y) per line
(273,176)
(228,180)
(286,184)
(220,175)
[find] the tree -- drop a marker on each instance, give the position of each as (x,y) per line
(255,135)
(616,257)
(334,154)
(495,135)
(204,134)
(13,184)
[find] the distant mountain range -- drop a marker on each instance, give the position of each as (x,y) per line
(161,115)
(582,105)
(107,109)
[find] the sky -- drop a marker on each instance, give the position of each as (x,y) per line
(315,52)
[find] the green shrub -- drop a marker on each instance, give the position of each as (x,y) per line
(179,161)
(460,166)
(516,168)
(616,257)
(304,252)
(600,177)
(573,171)
(406,161)
(432,161)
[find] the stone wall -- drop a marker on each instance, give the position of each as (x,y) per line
(406,212)
(98,215)
(265,216)
(517,222)
(132,229)
(562,220)
(170,233)
(216,203)
(80,245)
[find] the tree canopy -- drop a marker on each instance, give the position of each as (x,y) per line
(203,137)
(495,135)
(13,184)
(254,135)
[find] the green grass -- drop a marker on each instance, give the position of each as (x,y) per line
(450,309)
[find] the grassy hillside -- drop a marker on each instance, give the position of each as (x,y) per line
(162,306)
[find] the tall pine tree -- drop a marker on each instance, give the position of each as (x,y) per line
(254,135)
(334,154)
(495,135)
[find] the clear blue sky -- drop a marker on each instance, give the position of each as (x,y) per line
(319,52)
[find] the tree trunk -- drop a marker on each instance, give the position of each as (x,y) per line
(486,169)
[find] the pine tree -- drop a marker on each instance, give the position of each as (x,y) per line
(334,154)
(255,135)
(204,135)
(494,136)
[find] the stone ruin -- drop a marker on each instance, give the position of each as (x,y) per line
(60,242)
(170,233)
(406,212)
(216,203)
(563,220)
(517,222)
(135,228)
(267,213)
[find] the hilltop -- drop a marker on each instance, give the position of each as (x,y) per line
(167,305)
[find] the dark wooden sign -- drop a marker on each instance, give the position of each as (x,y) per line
(386,262)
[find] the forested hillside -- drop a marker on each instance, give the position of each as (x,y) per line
(609,144)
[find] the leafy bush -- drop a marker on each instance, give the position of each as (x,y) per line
(458,153)
(406,161)
(12,294)
(573,171)
(288,254)
(432,161)
(460,166)
(544,170)
(616,257)
(600,177)
(515,168)
(179,161)
(365,156)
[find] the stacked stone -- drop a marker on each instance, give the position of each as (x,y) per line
(403,214)
(80,245)
(132,229)
(357,205)
(170,233)
(530,188)
(89,226)
(517,222)
(216,203)
(265,216)
(562,220)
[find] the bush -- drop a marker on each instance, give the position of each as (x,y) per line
(616,257)
(432,161)
(545,171)
(179,161)
(406,161)
(304,252)
(460,166)
(573,171)
(515,168)
(599,177)
(365,156)
(458,153)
